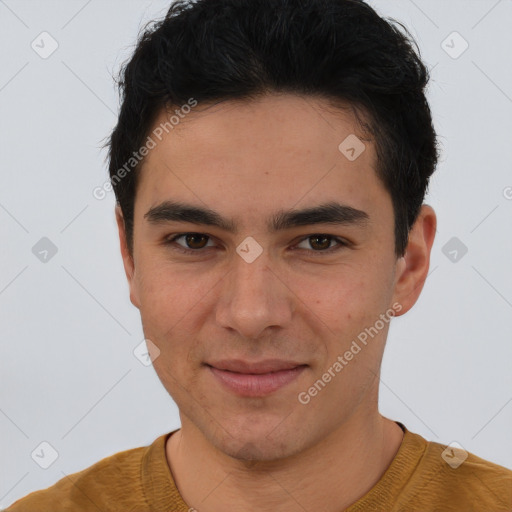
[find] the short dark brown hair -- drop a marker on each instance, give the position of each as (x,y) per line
(340,50)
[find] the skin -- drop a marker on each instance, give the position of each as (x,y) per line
(246,160)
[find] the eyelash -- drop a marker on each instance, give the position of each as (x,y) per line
(341,243)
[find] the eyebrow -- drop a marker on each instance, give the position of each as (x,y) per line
(327,213)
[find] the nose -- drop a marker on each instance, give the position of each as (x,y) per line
(254,297)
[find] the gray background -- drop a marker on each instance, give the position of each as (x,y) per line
(69,376)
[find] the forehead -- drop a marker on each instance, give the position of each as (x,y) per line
(282,122)
(245,156)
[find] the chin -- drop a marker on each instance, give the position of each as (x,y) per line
(253,443)
(256,450)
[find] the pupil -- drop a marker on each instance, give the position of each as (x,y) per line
(324,238)
(192,237)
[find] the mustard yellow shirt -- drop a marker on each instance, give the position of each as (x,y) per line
(418,479)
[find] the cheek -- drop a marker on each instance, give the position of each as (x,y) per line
(164,303)
(350,301)
(346,296)
(174,305)
(168,292)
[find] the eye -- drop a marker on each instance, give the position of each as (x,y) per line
(196,242)
(321,243)
(193,240)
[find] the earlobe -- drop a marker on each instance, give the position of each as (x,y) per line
(128,262)
(412,268)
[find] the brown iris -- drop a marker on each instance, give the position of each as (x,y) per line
(325,239)
(194,236)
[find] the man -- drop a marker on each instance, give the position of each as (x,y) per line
(270,164)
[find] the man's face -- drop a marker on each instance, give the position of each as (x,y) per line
(302,301)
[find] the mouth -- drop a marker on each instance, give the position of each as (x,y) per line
(255,379)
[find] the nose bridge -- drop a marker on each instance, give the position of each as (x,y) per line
(251,281)
(253,297)
(257,270)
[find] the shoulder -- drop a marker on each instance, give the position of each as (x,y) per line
(113,481)
(449,475)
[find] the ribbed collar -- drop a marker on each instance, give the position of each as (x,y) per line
(158,485)
(384,494)
(162,495)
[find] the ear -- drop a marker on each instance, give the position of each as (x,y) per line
(128,261)
(412,268)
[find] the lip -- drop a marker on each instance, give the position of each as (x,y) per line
(256,367)
(257,378)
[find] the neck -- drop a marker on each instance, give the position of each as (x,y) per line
(331,475)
